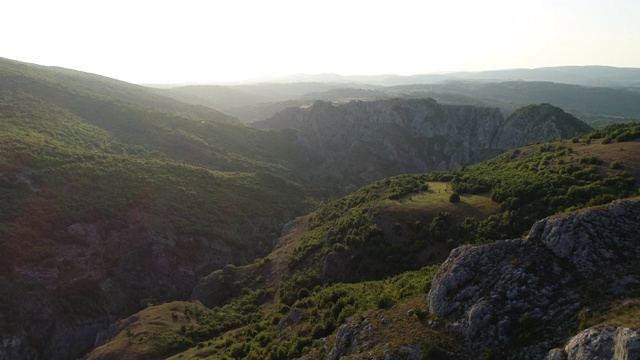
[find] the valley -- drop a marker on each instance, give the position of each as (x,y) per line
(351,222)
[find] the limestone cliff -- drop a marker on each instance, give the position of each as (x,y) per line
(521,298)
(600,343)
(374,139)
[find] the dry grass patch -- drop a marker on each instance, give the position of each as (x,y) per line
(627,153)
(135,336)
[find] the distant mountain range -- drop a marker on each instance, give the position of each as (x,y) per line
(576,75)
(591,75)
(599,95)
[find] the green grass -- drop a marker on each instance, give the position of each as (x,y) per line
(138,336)
(436,199)
(624,313)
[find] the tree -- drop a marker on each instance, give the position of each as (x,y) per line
(454,198)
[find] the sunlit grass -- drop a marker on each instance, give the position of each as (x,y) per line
(436,199)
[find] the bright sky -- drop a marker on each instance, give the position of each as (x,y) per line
(143,41)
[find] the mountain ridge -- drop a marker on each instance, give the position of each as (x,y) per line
(408,136)
(590,75)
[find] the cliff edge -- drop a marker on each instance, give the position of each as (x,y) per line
(521,298)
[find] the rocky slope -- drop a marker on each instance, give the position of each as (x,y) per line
(603,343)
(374,139)
(521,298)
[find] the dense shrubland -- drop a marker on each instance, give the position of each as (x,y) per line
(283,331)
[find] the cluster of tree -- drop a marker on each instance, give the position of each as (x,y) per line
(288,331)
(617,133)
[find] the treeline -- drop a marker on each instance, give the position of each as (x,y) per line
(617,133)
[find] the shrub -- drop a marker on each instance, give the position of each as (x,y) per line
(337,247)
(303,293)
(454,198)
(615,165)
(385,301)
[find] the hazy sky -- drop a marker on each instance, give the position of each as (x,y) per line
(224,40)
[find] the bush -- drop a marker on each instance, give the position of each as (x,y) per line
(385,301)
(337,247)
(615,165)
(454,198)
(303,293)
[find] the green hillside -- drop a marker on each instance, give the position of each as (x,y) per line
(319,287)
(111,194)
(81,148)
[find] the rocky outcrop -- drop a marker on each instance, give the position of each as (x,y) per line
(600,343)
(374,139)
(16,347)
(520,298)
(357,336)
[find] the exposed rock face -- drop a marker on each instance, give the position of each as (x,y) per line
(520,298)
(600,343)
(357,336)
(374,139)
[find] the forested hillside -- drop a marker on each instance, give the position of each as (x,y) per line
(350,279)
(111,194)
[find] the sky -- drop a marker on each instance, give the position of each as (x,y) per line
(153,42)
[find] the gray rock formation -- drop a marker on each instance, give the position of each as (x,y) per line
(600,343)
(520,298)
(374,139)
